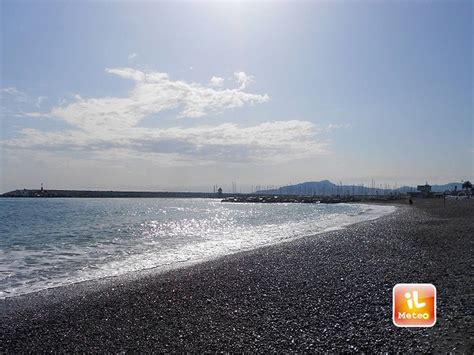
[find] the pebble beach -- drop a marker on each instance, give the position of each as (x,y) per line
(330,292)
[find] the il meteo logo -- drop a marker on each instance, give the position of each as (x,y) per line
(414,305)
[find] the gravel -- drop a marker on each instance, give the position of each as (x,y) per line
(329,292)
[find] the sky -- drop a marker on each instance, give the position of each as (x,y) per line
(185,96)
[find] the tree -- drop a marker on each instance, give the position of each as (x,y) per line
(466,186)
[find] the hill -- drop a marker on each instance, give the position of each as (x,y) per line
(326,188)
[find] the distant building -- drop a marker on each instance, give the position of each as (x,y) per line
(421,191)
(424,189)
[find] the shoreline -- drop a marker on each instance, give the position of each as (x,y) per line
(310,294)
(369,215)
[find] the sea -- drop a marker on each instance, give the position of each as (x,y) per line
(51,242)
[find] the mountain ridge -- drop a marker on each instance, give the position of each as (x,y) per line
(326,187)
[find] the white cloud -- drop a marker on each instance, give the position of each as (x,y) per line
(331,126)
(216,81)
(15,94)
(243,79)
(30,114)
(266,142)
(39,100)
(132,56)
(127,73)
(108,127)
(153,92)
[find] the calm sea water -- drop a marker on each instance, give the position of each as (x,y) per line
(52,242)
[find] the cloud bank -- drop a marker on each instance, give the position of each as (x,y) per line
(216,81)
(109,126)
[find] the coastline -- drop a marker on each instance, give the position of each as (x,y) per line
(331,293)
(129,268)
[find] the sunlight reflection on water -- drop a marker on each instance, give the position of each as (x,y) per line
(52,242)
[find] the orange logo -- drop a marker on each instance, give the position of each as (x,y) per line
(414,305)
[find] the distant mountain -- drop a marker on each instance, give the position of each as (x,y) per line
(326,187)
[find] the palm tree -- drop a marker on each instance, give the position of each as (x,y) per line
(467,185)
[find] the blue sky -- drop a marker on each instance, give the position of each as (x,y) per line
(119,95)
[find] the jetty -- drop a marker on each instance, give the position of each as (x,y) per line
(43,193)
